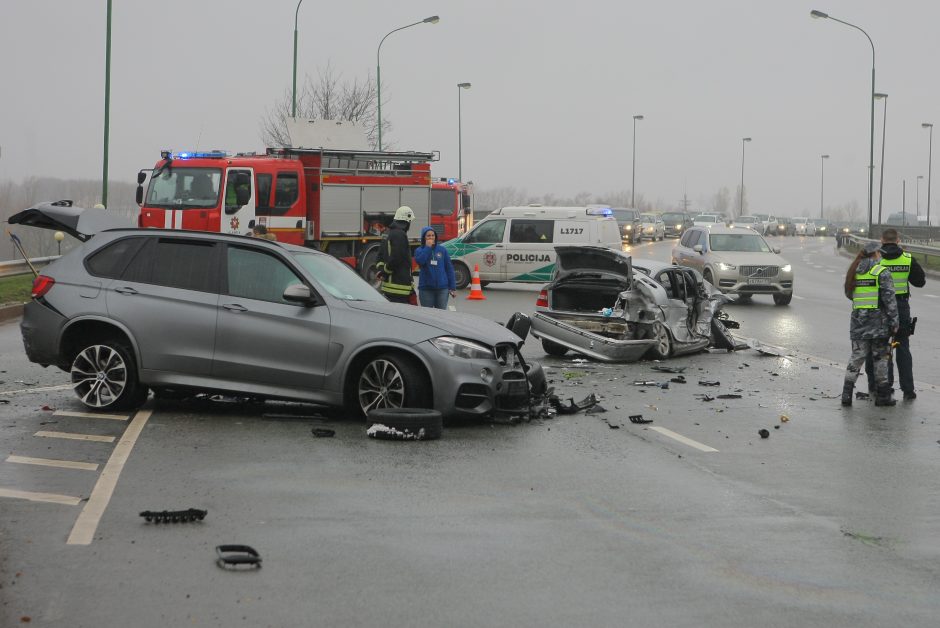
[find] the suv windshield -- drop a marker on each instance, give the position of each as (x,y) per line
(669,217)
(185,188)
(625,215)
(648,217)
(744,242)
(705,218)
(337,278)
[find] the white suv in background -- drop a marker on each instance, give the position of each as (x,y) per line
(804,227)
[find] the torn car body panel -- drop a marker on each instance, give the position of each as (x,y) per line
(614,309)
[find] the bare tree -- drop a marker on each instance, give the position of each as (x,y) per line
(329,97)
(485,201)
(721,202)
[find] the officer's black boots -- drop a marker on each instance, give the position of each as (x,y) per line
(883,397)
(847,389)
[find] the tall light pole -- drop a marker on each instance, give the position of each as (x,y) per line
(633,184)
(293,92)
(917,196)
(929,125)
(871,144)
(107,109)
(460,88)
(744,140)
(378,66)
(822,182)
(884,128)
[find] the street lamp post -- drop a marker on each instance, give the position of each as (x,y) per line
(822,182)
(293,92)
(378,66)
(871,144)
(929,125)
(633,184)
(107,109)
(917,195)
(59,236)
(744,140)
(460,88)
(884,128)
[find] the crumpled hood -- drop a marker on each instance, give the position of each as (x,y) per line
(469,326)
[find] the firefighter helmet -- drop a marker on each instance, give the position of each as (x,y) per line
(405,214)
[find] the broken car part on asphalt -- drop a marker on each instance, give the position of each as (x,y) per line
(237,557)
(174,516)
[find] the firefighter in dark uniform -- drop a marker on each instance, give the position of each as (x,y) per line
(906,272)
(874,320)
(395,258)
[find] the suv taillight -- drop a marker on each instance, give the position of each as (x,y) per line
(542,301)
(42,285)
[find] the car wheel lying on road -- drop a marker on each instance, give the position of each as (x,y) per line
(392,380)
(405,424)
(104,376)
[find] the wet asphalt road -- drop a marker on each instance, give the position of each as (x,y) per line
(584,519)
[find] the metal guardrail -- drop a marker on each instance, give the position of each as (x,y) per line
(20,267)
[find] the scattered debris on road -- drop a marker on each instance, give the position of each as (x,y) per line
(639,420)
(706,382)
(763,433)
(322,432)
(174,516)
(237,556)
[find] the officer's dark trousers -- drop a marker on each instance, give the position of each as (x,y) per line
(902,354)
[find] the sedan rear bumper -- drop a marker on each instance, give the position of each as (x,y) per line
(601,348)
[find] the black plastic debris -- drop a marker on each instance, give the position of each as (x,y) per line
(638,419)
(174,516)
(645,383)
(729,396)
(613,426)
(237,557)
(4,401)
(678,379)
(704,397)
(707,382)
(572,407)
(595,409)
(669,369)
(322,432)
(861,395)
(763,433)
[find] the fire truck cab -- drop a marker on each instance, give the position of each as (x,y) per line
(451,208)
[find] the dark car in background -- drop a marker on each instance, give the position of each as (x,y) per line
(629,222)
(785,226)
(824,227)
(676,223)
(135,309)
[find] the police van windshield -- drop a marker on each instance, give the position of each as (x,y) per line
(185,188)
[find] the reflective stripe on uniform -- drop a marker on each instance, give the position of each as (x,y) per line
(867,285)
(900,268)
(397,288)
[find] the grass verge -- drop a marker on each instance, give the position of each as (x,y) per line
(16,289)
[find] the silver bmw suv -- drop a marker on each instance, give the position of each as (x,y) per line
(135,309)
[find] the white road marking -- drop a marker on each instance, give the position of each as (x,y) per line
(35,390)
(50,498)
(48,462)
(70,436)
(682,439)
(84,529)
(92,415)
(799,297)
(931,296)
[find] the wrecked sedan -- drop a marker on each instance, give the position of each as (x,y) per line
(604,305)
(135,309)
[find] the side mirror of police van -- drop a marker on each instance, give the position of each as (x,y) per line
(299,293)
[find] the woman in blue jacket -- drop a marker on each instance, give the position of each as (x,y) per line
(436,279)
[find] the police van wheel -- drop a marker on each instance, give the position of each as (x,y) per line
(461,275)
(783,299)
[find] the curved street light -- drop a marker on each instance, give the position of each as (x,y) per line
(929,125)
(871,148)
(633,184)
(460,88)
(822,182)
(378,68)
(293,92)
(744,140)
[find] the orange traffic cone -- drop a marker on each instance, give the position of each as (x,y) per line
(476,291)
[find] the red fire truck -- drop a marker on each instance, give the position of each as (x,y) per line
(338,201)
(451,208)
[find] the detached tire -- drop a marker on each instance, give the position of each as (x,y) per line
(405,424)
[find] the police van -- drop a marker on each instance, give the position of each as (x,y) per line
(518,243)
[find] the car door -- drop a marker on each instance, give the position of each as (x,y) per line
(695,259)
(530,255)
(262,339)
(168,298)
(484,247)
(683,251)
(240,201)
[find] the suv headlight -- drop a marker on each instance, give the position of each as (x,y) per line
(460,348)
(725,266)
(786,268)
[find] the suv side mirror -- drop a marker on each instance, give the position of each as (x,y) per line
(697,248)
(299,293)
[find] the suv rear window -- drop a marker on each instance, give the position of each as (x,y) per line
(111,260)
(186,264)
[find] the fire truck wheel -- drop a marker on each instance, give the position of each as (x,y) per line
(462,275)
(104,376)
(404,424)
(392,380)
(367,267)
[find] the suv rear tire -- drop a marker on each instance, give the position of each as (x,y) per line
(104,376)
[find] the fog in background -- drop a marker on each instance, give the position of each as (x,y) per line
(555,86)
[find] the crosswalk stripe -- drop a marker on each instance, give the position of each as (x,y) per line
(91,415)
(48,462)
(50,498)
(89,437)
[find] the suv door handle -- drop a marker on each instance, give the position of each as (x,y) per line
(125,290)
(234,307)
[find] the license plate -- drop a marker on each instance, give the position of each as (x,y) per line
(759,281)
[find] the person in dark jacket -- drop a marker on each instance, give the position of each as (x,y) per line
(436,280)
(874,320)
(906,272)
(394,263)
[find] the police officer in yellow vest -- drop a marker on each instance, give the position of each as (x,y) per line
(906,272)
(873,321)
(395,258)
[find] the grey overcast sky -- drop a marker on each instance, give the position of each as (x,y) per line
(555,86)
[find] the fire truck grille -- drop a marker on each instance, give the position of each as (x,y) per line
(439,230)
(758,271)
